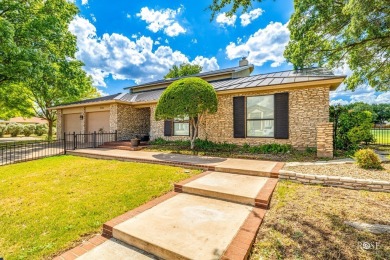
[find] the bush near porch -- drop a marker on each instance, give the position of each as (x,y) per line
(49,205)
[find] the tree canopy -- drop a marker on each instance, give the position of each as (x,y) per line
(353,33)
(188,97)
(335,33)
(185,69)
(38,68)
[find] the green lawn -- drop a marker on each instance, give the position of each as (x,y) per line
(48,205)
(381,136)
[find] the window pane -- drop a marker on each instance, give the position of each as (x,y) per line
(181,128)
(260,128)
(186,118)
(260,107)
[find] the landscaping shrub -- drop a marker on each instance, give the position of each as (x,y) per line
(41,129)
(267,148)
(14,129)
(367,159)
(209,146)
(2,130)
(28,130)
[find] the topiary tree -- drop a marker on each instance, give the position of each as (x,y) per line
(189,97)
(14,129)
(2,130)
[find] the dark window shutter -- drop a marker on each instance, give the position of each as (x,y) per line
(168,128)
(281,116)
(239,117)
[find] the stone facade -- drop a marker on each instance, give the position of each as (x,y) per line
(59,124)
(308,107)
(131,121)
(325,140)
(336,181)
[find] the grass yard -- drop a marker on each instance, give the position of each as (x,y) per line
(381,136)
(49,205)
(307,222)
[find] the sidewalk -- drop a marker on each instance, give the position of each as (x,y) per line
(229,165)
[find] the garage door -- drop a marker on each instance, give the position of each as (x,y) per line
(97,121)
(72,123)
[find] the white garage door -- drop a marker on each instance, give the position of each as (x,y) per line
(72,123)
(97,121)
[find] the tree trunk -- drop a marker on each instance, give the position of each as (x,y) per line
(194,134)
(50,132)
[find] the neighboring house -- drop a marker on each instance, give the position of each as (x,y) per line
(25,121)
(286,107)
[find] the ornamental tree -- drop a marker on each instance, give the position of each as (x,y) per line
(189,97)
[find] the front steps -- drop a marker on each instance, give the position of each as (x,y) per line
(214,215)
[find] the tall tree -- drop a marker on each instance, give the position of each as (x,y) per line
(336,33)
(185,69)
(37,58)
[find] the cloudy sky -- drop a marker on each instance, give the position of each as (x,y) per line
(124,43)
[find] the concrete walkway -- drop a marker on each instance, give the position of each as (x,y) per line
(214,215)
(240,166)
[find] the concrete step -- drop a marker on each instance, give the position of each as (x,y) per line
(115,249)
(186,227)
(237,188)
(250,167)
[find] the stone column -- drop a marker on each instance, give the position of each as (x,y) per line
(325,140)
(59,124)
(113,117)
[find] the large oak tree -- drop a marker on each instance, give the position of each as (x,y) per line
(38,68)
(336,33)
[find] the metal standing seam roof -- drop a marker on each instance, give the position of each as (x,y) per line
(202,74)
(262,80)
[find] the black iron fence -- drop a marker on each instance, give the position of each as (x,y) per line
(25,151)
(75,141)
(31,150)
(381,135)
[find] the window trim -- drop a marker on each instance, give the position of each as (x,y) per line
(262,119)
(175,121)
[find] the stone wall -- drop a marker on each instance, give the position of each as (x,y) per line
(59,124)
(131,121)
(336,181)
(307,108)
(325,140)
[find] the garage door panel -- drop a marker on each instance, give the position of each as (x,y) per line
(97,121)
(72,123)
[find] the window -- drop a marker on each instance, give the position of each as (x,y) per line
(260,116)
(181,126)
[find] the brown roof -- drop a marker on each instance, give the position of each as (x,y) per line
(32,120)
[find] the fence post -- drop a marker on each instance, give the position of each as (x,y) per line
(116,135)
(74,140)
(94,139)
(64,142)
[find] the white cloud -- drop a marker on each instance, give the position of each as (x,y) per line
(265,45)
(124,58)
(162,20)
(93,17)
(195,41)
(247,18)
(223,20)
(206,63)
(128,15)
(84,2)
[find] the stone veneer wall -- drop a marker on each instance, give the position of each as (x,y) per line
(308,107)
(129,120)
(59,124)
(336,181)
(325,140)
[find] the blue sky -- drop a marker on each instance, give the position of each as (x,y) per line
(124,43)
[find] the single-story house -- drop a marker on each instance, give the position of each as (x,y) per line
(25,121)
(287,107)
